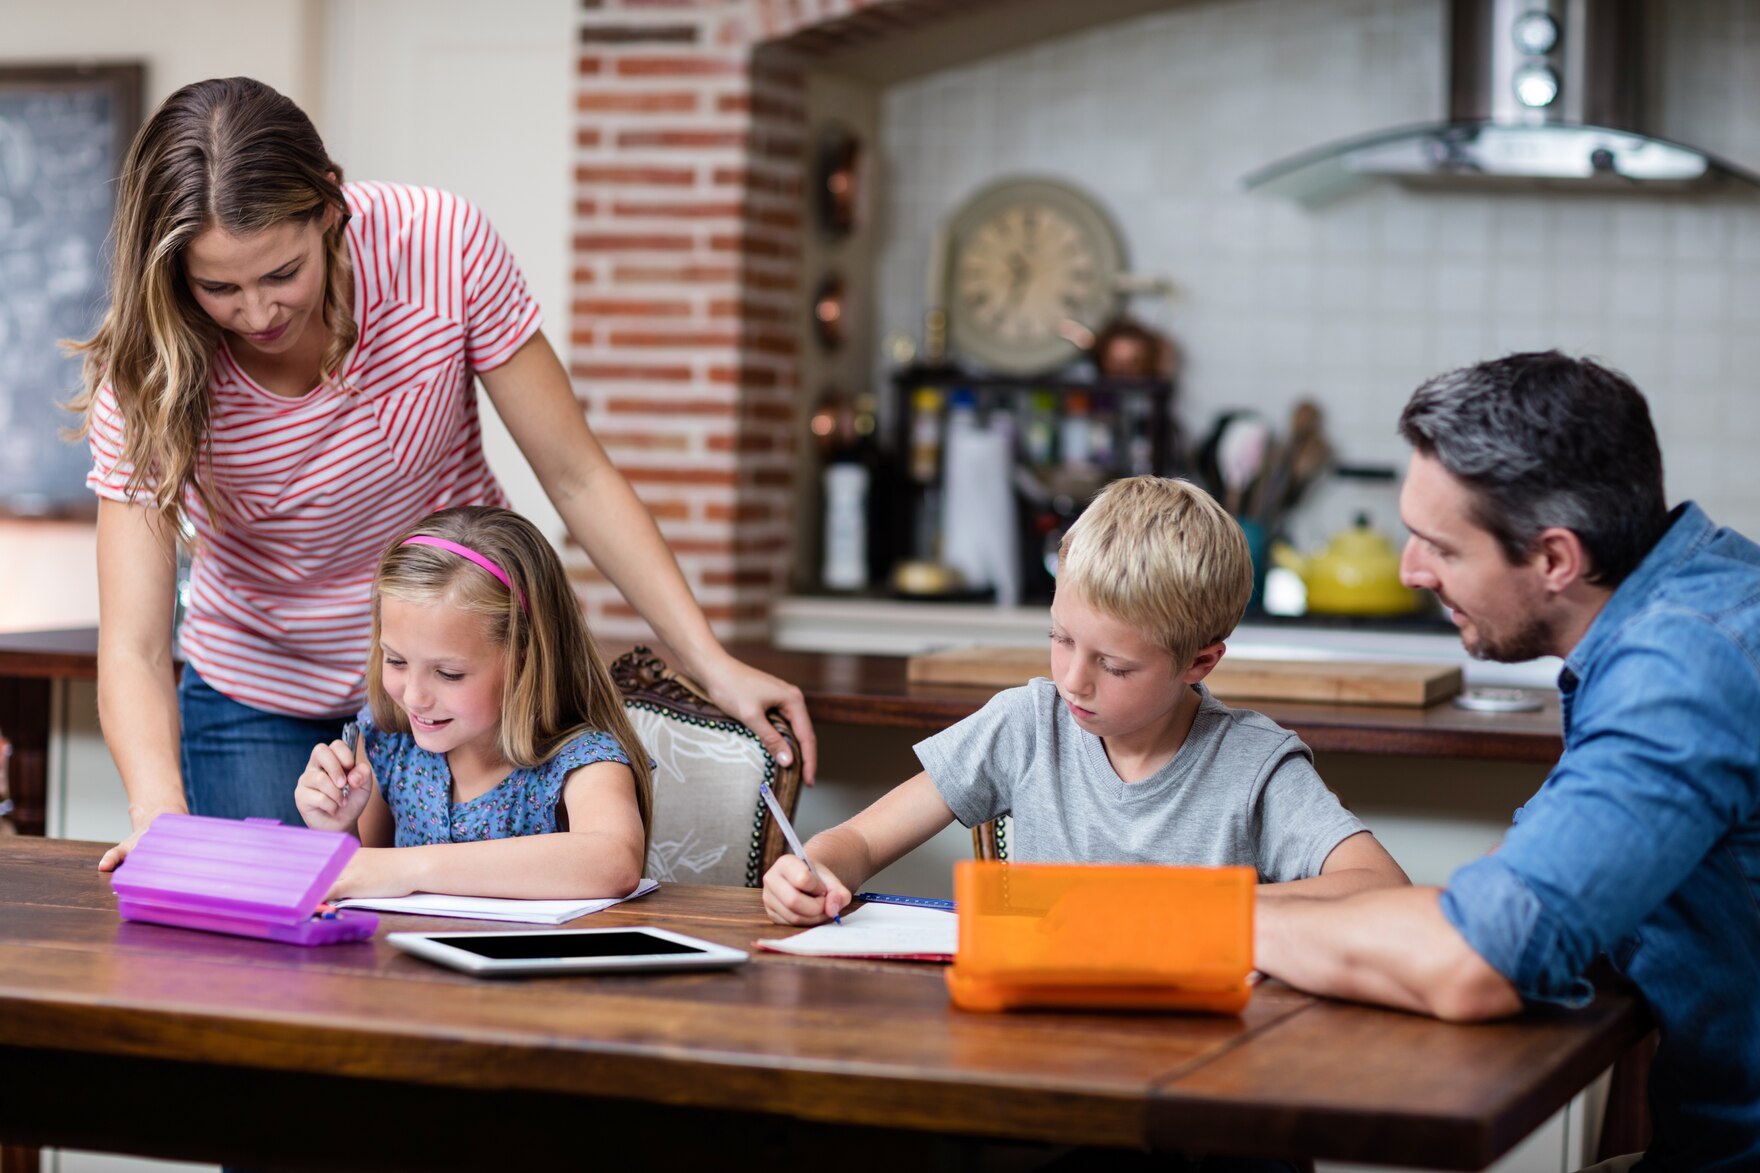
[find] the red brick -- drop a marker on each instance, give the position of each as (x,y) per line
(771,344)
(750,311)
(581,337)
(630,307)
(742,442)
(784,282)
(756,180)
(624,101)
(739,578)
(683,139)
(691,210)
(752,246)
(639,34)
(588,136)
(646,441)
(744,511)
(743,376)
(773,478)
(680,476)
(772,412)
(628,372)
(678,67)
(583,275)
(700,407)
(587,66)
(646,176)
(585,208)
(669,510)
(775,217)
(649,338)
(631,241)
(687,274)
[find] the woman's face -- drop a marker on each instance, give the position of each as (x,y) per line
(266,290)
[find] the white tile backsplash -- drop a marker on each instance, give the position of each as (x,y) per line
(1359,300)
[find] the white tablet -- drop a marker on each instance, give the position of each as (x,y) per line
(541,951)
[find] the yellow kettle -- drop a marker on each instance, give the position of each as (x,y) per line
(1356,574)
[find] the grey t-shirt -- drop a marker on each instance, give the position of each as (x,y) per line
(1242,790)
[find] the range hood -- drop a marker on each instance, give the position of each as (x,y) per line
(1542,93)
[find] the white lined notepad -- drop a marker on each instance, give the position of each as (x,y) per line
(528,912)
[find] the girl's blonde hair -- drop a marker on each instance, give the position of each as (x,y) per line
(557,685)
(230,153)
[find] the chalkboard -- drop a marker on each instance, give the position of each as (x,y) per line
(63,133)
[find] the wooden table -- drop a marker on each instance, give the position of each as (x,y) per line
(166,1042)
(840,689)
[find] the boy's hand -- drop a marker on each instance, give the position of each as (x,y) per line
(794,896)
(320,795)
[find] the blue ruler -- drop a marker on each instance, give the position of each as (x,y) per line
(912,901)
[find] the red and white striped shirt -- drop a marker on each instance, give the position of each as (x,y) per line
(315,488)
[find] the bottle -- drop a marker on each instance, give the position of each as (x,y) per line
(926,435)
(846,485)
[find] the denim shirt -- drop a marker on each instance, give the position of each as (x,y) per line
(1644,841)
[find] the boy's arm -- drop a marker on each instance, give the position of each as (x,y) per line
(600,856)
(1357,864)
(847,855)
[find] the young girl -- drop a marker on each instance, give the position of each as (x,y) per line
(498,759)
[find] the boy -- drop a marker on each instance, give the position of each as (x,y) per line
(1123,756)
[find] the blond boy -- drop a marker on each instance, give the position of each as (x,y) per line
(1123,756)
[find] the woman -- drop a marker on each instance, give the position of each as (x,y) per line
(285,372)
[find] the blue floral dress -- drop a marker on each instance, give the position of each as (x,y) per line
(418,788)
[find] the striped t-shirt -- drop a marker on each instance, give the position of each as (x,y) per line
(279,608)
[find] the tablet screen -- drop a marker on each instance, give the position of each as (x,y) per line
(547,945)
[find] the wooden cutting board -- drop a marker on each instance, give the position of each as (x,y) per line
(1356,682)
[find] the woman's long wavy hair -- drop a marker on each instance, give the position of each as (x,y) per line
(230,153)
(557,685)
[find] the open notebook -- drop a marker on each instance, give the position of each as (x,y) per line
(530,912)
(895,931)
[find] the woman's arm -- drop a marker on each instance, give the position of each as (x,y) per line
(1357,864)
(533,396)
(599,856)
(137,696)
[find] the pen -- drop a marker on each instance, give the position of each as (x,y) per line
(794,841)
(351,733)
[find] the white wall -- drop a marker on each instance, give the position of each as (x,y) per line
(1359,301)
(477,99)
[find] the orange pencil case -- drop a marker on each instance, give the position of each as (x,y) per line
(1102,936)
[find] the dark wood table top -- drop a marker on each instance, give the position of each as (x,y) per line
(844,688)
(823,1043)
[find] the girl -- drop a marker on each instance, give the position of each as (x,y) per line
(286,370)
(498,756)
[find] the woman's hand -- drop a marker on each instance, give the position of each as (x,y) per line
(746,694)
(142,818)
(334,789)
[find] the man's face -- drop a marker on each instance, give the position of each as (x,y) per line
(1500,609)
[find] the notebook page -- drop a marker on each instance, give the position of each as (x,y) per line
(529,912)
(877,930)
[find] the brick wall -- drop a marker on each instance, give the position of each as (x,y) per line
(687,293)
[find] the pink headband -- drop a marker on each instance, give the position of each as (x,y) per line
(472,555)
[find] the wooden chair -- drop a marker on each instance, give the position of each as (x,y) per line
(711,825)
(990,840)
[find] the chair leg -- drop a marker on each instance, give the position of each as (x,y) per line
(18,1159)
(1625,1127)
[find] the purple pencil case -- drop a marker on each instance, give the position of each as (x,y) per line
(249,877)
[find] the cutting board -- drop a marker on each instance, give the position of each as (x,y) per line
(1355,682)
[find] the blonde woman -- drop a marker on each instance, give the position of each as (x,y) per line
(497,751)
(286,369)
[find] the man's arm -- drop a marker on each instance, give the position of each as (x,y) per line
(1391,945)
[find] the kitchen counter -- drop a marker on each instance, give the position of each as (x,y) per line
(841,689)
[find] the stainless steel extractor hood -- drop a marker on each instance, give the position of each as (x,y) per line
(1541,93)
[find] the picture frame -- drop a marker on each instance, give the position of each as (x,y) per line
(64,131)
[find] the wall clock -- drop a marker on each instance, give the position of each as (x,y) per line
(1027,258)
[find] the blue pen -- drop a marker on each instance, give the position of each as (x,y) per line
(912,901)
(794,841)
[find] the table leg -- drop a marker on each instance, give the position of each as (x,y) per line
(1625,1126)
(24,719)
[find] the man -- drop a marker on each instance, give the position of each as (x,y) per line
(1534,498)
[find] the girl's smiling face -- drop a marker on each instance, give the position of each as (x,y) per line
(440,667)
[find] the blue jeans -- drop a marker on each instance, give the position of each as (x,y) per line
(240,762)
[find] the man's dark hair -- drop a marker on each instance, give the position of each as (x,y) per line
(1546,440)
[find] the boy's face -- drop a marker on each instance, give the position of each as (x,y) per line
(1115,681)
